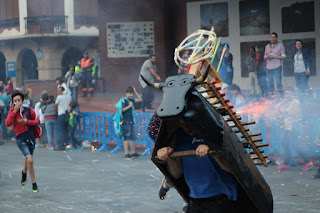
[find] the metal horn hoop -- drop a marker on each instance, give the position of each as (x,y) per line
(153,85)
(202,48)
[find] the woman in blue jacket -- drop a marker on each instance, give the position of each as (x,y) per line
(302,66)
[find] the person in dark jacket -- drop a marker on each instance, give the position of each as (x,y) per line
(302,66)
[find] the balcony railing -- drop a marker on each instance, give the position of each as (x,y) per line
(46,24)
(9,23)
(85,20)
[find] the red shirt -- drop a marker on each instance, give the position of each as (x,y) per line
(10,87)
(18,127)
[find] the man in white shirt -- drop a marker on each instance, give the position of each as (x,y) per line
(62,102)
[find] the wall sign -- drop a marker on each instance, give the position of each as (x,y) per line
(11,69)
(130,39)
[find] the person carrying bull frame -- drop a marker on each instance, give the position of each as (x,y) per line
(86,74)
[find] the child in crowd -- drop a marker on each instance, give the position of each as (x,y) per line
(74,115)
(290,108)
(25,121)
(238,99)
(49,111)
(125,121)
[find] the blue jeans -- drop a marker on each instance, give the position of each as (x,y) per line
(51,127)
(302,81)
(277,73)
(63,133)
(74,94)
(3,126)
(26,147)
(262,80)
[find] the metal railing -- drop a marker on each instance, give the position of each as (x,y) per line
(9,23)
(46,24)
(85,20)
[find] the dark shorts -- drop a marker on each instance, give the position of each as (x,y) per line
(26,147)
(216,204)
(128,131)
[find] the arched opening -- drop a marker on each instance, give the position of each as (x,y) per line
(27,66)
(2,67)
(71,56)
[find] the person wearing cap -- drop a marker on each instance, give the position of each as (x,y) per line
(86,71)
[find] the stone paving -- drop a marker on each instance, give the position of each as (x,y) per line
(84,181)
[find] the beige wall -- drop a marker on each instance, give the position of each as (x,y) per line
(234,38)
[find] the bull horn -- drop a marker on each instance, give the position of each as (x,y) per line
(201,79)
(154,85)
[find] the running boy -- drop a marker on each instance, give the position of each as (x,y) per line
(25,121)
(127,121)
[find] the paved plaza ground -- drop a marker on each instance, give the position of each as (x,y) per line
(85,181)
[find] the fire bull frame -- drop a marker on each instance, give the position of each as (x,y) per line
(182,101)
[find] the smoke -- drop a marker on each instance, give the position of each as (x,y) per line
(276,118)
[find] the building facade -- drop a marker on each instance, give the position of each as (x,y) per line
(45,37)
(240,23)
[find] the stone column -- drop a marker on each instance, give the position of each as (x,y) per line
(23,13)
(69,11)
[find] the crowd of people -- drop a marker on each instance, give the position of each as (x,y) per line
(59,118)
(265,67)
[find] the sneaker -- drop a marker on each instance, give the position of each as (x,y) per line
(127,156)
(37,146)
(35,188)
(23,178)
(135,155)
(283,167)
(163,191)
(185,208)
(308,166)
(316,176)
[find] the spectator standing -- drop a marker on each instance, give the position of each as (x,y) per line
(49,111)
(149,72)
(86,74)
(9,85)
(291,110)
(73,80)
(255,90)
(6,102)
(60,83)
(40,115)
(62,102)
(127,115)
(259,68)
(226,70)
(94,75)
(302,66)
(274,54)
(25,121)
(74,115)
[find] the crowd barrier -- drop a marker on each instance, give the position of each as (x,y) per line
(98,126)
(306,136)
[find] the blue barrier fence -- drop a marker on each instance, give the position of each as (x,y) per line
(306,136)
(98,126)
